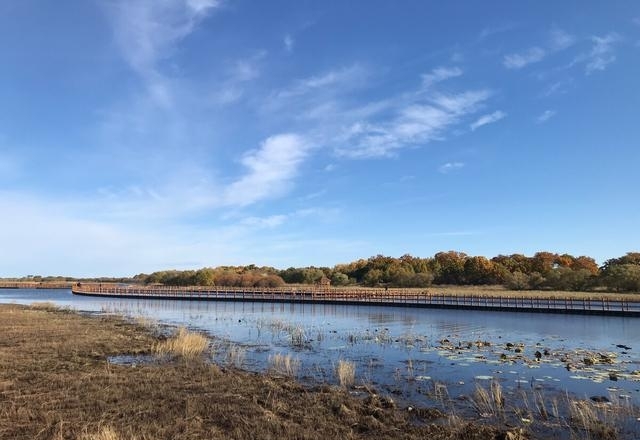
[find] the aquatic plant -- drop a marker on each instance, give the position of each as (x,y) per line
(235,355)
(284,364)
(346,373)
(297,336)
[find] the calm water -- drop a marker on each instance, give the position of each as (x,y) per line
(406,352)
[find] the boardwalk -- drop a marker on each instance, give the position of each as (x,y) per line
(35,284)
(380,297)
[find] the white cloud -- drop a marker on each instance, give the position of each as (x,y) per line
(450,166)
(602,53)
(201,6)
(147,32)
(417,122)
(545,116)
(560,40)
(270,169)
(334,80)
(488,119)
(520,60)
(495,30)
(440,74)
(558,87)
(240,72)
(51,236)
(245,70)
(288,43)
(271,221)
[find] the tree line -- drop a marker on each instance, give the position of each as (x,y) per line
(543,270)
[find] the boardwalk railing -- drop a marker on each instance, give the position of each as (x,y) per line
(385,297)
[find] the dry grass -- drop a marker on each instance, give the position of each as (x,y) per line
(185,344)
(105,433)
(590,421)
(346,372)
(44,305)
(284,364)
(489,402)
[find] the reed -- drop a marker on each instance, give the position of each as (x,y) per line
(185,344)
(284,364)
(297,335)
(589,420)
(235,355)
(346,372)
(489,402)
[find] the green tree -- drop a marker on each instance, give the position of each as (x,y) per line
(339,279)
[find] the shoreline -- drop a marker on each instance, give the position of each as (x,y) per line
(56,378)
(56,382)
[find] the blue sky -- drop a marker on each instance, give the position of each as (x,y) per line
(140,135)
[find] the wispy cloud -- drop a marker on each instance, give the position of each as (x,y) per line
(270,169)
(55,226)
(271,221)
(147,32)
(419,122)
(560,40)
(488,119)
(545,116)
(450,166)
(495,30)
(288,42)
(440,74)
(557,87)
(602,53)
(240,72)
(350,76)
(520,60)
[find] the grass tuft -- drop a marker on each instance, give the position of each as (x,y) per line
(106,433)
(284,364)
(346,372)
(44,305)
(185,344)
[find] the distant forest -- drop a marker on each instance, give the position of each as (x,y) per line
(542,271)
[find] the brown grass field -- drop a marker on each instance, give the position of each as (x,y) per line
(56,383)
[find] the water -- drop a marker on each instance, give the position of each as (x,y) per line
(411,354)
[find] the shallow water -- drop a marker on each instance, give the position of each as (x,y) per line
(413,354)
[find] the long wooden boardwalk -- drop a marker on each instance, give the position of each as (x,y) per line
(36,284)
(379,297)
